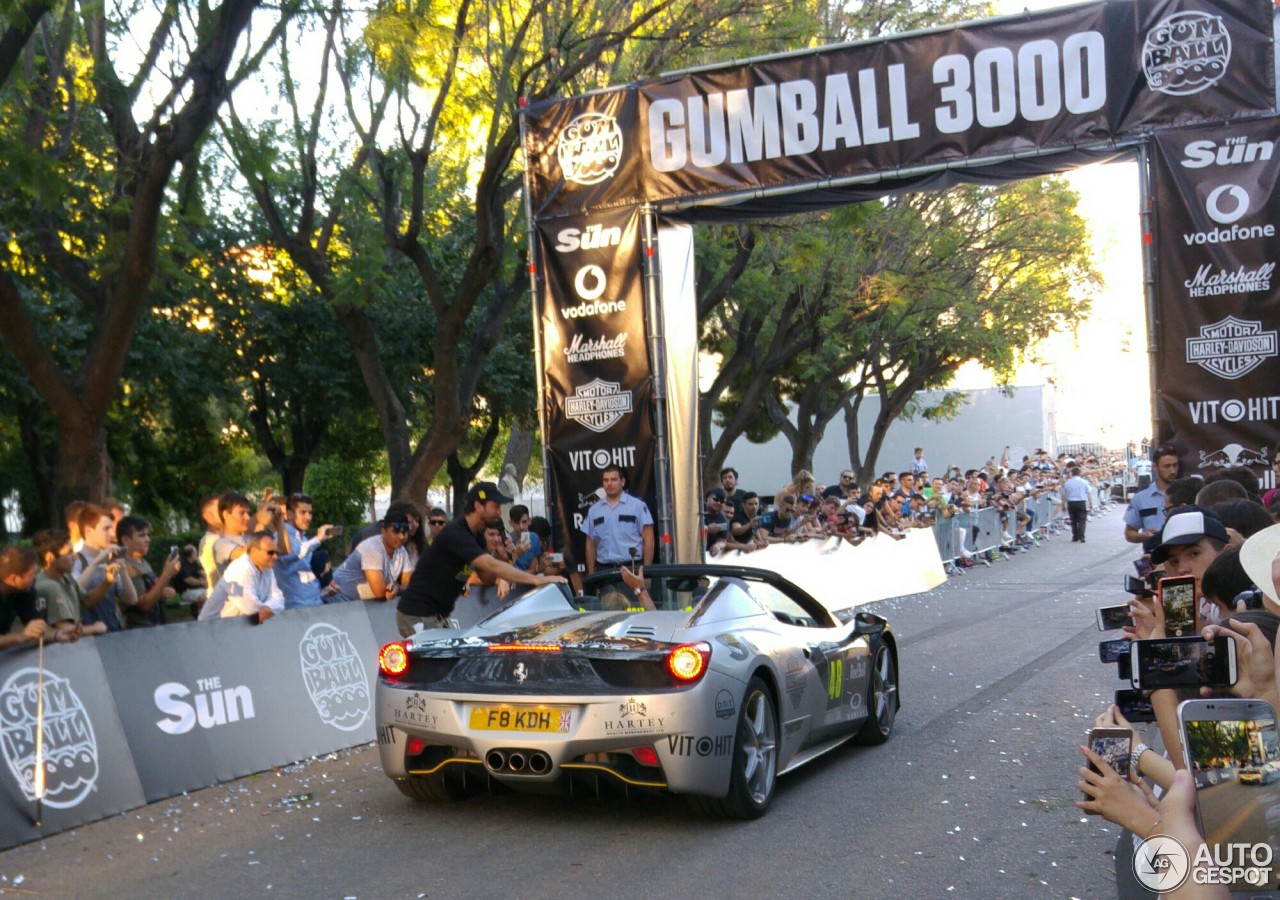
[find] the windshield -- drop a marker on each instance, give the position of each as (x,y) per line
(679,592)
(684,590)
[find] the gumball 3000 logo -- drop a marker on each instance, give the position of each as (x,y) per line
(1186,53)
(335,676)
(70,748)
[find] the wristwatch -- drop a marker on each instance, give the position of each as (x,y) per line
(1135,756)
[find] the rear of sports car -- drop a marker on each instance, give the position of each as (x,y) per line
(568,703)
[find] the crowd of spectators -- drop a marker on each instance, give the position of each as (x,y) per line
(255,559)
(1210,531)
(893,503)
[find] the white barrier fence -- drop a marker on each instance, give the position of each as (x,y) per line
(878,568)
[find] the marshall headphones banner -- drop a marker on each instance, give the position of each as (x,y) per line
(596,378)
(1081,76)
(1218,378)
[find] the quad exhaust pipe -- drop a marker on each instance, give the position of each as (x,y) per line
(517,762)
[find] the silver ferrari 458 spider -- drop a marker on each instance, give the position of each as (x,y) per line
(735,677)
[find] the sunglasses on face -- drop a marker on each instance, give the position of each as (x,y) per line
(269,552)
(436,523)
(401,528)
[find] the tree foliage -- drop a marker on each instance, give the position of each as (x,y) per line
(91,142)
(886,298)
(234,256)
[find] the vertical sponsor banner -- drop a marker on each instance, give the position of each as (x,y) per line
(88,772)
(1217,374)
(595,362)
(680,335)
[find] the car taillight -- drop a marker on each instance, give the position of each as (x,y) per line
(646,756)
(688,662)
(393,659)
(415,746)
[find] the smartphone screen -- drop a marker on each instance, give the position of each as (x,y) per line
(1233,750)
(1112,617)
(1178,597)
(1113,745)
(1135,705)
(1111,651)
(1183,662)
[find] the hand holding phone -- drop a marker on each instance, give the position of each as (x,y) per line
(1113,745)
(1232,750)
(1178,601)
(1183,662)
(1110,618)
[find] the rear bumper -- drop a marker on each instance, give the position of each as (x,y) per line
(690,733)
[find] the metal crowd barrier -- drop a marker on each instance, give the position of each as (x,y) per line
(977,533)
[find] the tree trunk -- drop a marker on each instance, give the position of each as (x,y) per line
(391,415)
(851,408)
(461,474)
(39,510)
(83,467)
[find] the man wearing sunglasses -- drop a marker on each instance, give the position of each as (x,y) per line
(436,519)
(378,566)
(248,586)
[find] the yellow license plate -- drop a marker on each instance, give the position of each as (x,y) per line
(538,719)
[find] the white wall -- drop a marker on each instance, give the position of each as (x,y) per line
(989,420)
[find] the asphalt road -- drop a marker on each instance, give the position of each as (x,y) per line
(971,798)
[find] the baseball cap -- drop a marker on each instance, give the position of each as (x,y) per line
(717,493)
(1188,525)
(485,491)
(394,517)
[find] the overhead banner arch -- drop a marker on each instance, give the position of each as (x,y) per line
(991,100)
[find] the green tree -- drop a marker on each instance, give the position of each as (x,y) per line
(429,179)
(91,143)
(887,298)
(972,274)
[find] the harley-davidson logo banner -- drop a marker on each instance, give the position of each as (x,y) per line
(1086,75)
(596,378)
(1217,312)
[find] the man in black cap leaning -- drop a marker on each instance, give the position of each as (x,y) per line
(427,601)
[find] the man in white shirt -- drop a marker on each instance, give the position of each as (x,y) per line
(248,586)
(378,567)
(1075,491)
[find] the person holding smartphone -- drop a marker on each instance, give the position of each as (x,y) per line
(153,590)
(294,573)
(1192,537)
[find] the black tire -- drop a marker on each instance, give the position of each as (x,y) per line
(438,787)
(882,698)
(755,759)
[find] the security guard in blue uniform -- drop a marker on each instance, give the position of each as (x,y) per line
(619,528)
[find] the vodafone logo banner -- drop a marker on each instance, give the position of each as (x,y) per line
(1216,250)
(1085,75)
(594,360)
